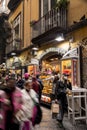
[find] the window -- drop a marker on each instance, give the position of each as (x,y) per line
(16,30)
(47,5)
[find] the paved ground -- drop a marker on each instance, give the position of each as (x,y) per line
(51,124)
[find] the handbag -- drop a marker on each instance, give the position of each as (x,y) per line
(54,109)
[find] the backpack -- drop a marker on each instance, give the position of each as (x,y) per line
(38,117)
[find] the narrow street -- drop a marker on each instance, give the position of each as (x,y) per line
(51,124)
(47,122)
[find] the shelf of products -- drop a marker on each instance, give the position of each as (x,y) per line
(47,90)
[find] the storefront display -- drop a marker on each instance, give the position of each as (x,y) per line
(47,90)
(32,69)
(70,68)
(50,66)
(66,68)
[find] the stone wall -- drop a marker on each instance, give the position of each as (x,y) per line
(84,68)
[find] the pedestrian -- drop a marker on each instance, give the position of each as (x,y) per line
(60,93)
(55,80)
(26,76)
(41,85)
(29,109)
(20,82)
(36,86)
(10,105)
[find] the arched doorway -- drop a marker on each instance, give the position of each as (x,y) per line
(50,63)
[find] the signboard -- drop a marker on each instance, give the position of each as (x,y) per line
(16,62)
(34,61)
(73,53)
(52,49)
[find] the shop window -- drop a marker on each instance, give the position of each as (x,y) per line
(66,68)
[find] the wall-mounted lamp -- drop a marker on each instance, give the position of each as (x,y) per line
(13,54)
(60,38)
(35,48)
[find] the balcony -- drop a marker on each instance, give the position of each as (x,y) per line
(15,46)
(54,22)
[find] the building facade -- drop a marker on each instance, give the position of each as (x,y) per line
(59,34)
(42,24)
(20,18)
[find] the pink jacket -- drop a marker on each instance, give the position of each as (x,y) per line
(17,103)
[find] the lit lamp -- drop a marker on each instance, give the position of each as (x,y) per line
(34,50)
(13,54)
(60,38)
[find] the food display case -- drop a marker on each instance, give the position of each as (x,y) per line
(47,90)
(70,68)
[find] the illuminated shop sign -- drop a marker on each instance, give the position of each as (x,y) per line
(52,49)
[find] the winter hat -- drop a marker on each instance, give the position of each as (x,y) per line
(26,75)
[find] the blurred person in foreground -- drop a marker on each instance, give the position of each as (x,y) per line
(60,92)
(10,105)
(29,111)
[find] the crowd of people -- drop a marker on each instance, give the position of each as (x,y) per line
(19,98)
(18,101)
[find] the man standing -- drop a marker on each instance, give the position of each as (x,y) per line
(60,92)
(41,86)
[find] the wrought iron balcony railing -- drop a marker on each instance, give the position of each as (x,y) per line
(54,18)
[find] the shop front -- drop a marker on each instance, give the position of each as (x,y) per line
(49,65)
(56,61)
(70,66)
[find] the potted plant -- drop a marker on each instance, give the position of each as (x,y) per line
(62,3)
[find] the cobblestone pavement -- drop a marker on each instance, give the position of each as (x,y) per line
(51,124)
